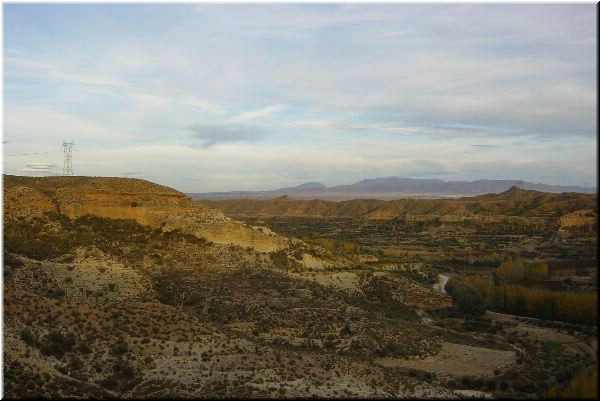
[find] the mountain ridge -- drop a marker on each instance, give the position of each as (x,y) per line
(387,188)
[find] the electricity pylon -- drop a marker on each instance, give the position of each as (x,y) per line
(68,152)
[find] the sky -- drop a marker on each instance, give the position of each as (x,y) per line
(220,97)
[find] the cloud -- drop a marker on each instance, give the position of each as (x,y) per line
(23,125)
(393,128)
(149,100)
(213,134)
(48,71)
(525,69)
(379,86)
(37,167)
(335,125)
(251,115)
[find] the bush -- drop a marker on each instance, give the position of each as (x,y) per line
(12,261)
(479,324)
(120,348)
(28,337)
(84,349)
(75,363)
(123,369)
(57,344)
(490,384)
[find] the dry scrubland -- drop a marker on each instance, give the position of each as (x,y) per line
(123,288)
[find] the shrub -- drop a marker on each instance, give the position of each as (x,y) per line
(490,384)
(28,337)
(120,348)
(123,369)
(84,349)
(12,261)
(57,344)
(75,363)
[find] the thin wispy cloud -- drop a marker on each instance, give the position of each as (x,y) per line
(44,71)
(392,128)
(38,167)
(202,105)
(260,113)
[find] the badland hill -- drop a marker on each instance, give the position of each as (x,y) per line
(567,209)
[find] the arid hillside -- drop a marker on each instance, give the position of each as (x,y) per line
(120,288)
(114,288)
(514,204)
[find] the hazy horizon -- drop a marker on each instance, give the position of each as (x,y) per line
(207,98)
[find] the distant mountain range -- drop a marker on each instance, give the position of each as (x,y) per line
(393,188)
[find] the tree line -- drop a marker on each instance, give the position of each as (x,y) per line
(510,291)
(516,299)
